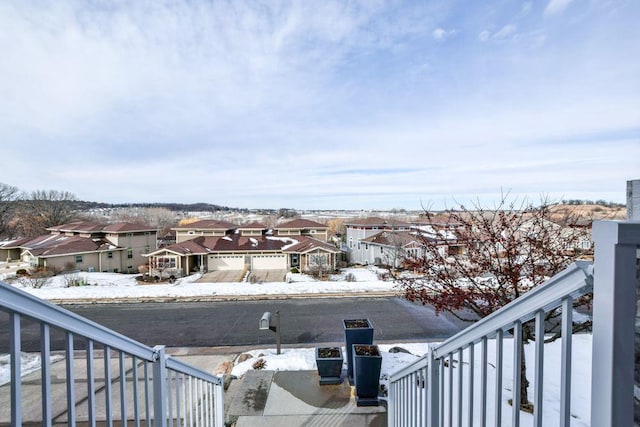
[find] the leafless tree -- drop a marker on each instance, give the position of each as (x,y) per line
(318,264)
(42,209)
(9,197)
(161,218)
(508,251)
(36,279)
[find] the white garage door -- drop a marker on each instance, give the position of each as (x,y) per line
(226,262)
(269,262)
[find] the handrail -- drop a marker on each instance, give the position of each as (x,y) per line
(200,399)
(183,368)
(19,301)
(574,281)
(420,363)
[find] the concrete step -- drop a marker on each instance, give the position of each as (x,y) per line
(346,420)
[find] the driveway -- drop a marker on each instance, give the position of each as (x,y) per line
(269,275)
(221,276)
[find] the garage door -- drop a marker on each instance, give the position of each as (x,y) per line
(226,262)
(269,262)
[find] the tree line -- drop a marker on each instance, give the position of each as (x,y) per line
(591,202)
(29,214)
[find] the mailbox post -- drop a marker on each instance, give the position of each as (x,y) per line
(267,322)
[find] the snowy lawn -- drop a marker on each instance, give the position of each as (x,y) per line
(115,285)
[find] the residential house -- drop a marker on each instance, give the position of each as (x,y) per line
(227,246)
(205,227)
(387,242)
(86,246)
(136,239)
(10,250)
(303,227)
(359,230)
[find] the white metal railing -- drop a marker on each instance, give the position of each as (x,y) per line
(147,386)
(613,279)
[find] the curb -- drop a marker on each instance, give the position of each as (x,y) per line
(221,298)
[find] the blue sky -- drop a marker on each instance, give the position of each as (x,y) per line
(320,105)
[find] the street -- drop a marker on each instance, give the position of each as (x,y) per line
(235,323)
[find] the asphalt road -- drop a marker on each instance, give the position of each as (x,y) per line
(235,323)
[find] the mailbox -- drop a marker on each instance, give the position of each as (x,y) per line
(265,321)
(268,324)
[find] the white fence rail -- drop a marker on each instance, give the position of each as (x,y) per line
(445,399)
(125,380)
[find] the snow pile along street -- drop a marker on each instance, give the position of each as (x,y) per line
(105,286)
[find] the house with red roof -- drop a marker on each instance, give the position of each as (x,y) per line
(216,245)
(86,246)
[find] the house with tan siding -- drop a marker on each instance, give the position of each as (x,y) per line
(303,227)
(246,247)
(87,246)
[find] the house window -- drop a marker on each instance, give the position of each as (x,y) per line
(78,259)
(109,255)
(129,253)
(165,262)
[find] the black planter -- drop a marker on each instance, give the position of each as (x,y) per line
(329,368)
(360,334)
(367,362)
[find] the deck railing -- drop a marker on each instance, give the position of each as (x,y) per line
(423,394)
(125,380)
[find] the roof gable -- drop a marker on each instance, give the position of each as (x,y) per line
(57,245)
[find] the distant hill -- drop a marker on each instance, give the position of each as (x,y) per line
(586,213)
(176,207)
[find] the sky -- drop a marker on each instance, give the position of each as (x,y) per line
(320,104)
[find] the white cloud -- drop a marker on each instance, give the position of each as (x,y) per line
(505,32)
(555,7)
(441,35)
(502,34)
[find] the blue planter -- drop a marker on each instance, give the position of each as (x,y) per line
(329,368)
(367,362)
(356,331)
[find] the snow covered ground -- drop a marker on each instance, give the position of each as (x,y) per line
(115,285)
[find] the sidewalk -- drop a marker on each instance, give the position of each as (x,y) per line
(259,398)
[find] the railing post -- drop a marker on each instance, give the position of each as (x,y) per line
(614,311)
(218,394)
(391,402)
(159,387)
(433,389)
